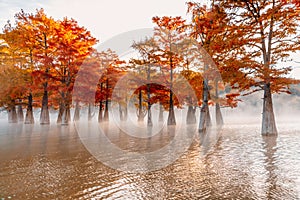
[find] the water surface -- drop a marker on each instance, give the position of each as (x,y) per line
(50,162)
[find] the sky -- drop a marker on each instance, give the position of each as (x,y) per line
(104,18)
(107,18)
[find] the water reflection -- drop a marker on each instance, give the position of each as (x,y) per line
(50,162)
(270,148)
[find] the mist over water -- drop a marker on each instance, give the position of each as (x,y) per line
(52,161)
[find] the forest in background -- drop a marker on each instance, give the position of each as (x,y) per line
(230,48)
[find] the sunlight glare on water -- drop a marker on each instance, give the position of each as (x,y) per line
(48,162)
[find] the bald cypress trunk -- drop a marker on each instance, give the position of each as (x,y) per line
(161,113)
(149,120)
(12,114)
(268,118)
(20,114)
(106,114)
(29,119)
(191,117)
(219,117)
(171,117)
(45,116)
(60,113)
(100,113)
(76,112)
(205,120)
(140,112)
(90,115)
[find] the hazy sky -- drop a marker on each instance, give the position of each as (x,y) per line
(105,18)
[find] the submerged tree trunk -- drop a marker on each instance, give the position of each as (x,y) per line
(205,120)
(191,117)
(171,117)
(66,118)
(12,114)
(45,117)
(161,113)
(60,113)
(100,113)
(219,117)
(29,119)
(90,114)
(149,120)
(20,114)
(76,112)
(106,114)
(268,119)
(140,111)
(64,114)
(123,112)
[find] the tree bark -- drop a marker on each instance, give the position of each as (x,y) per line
(106,114)
(20,114)
(66,117)
(60,113)
(161,113)
(45,117)
(12,114)
(205,120)
(171,117)
(191,117)
(29,119)
(123,111)
(149,120)
(90,115)
(140,113)
(76,112)
(219,117)
(268,119)
(100,114)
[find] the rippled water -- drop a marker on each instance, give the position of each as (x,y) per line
(52,163)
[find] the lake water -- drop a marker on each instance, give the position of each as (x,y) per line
(51,162)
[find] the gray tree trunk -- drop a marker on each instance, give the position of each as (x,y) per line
(205,120)
(161,113)
(64,114)
(140,112)
(100,114)
(76,112)
(12,114)
(90,115)
(106,114)
(60,113)
(171,117)
(20,114)
(123,112)
(219,117)
(191,117)
(268,119)
(45,116)
(149,120)
(29,119)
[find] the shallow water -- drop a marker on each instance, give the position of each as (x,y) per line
(51,162)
